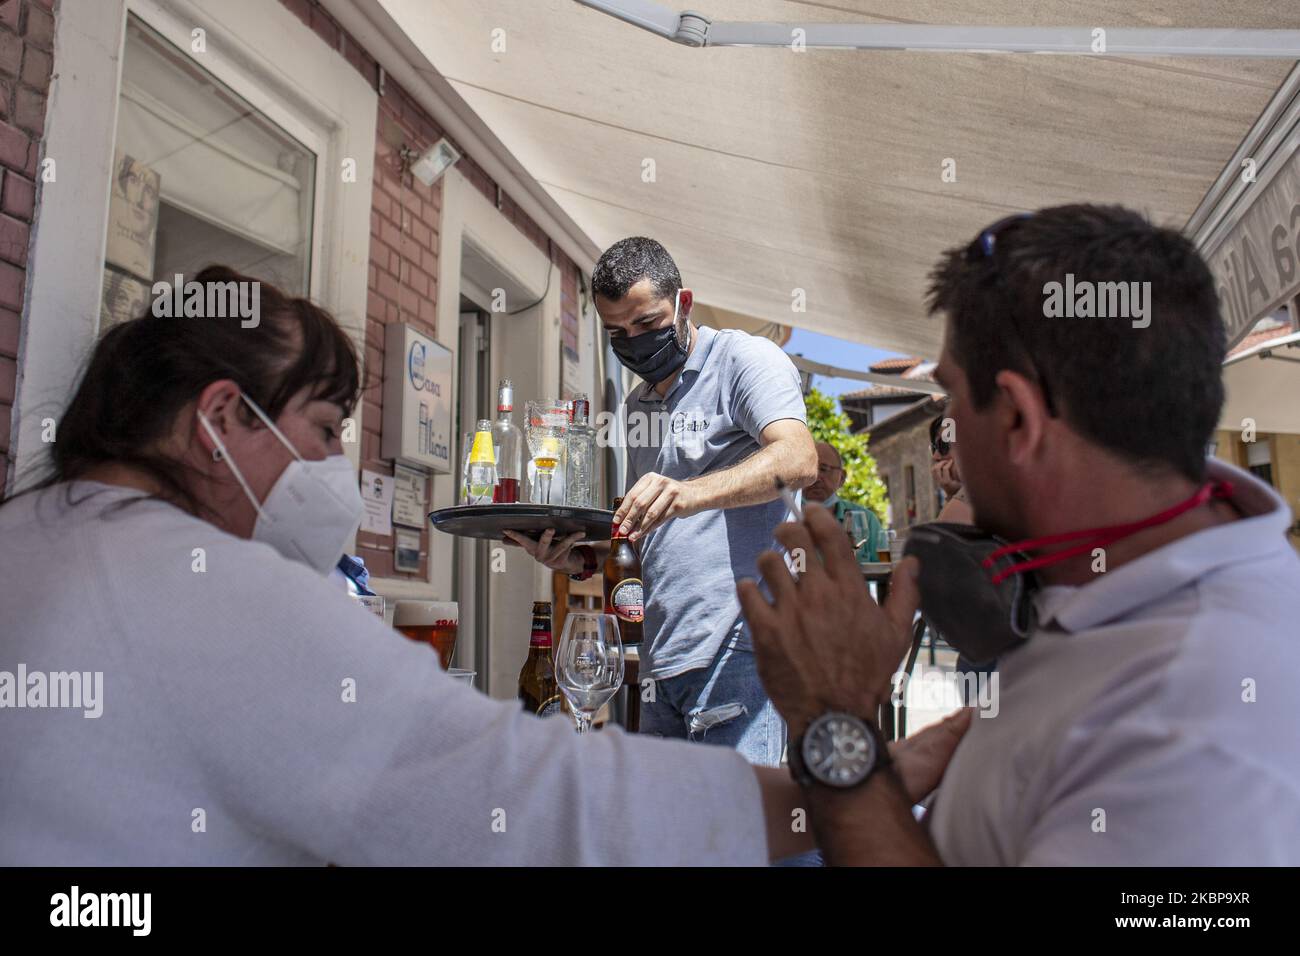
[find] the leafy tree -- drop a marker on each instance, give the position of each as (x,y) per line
(861,482)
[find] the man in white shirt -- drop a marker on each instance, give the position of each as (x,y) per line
(1150,717)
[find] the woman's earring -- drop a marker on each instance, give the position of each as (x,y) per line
(216,454)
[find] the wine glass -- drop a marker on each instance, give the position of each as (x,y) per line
(545,428)
(858,525)
(589,663)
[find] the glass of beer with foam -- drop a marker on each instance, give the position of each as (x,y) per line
(429,622)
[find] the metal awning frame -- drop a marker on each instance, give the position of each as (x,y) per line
(691,28)
(1271,350)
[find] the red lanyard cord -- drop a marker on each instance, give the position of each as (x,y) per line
(1097,537)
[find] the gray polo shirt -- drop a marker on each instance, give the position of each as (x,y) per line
(733,386)
(1151,720)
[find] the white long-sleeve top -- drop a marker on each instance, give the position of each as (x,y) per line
(226,736)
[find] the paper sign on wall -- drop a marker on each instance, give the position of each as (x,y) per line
(377,496)
(410,494)
(406,551)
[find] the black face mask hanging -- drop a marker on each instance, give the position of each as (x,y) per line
(981,620)
(655,355)
(977,590)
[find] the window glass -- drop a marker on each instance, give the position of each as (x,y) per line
(200,178)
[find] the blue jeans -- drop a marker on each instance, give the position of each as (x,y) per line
(722,704)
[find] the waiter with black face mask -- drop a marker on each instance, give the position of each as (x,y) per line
(717,419)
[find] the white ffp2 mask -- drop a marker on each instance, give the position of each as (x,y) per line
(313,508)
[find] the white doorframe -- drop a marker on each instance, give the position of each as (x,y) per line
(303,85)
(527,347)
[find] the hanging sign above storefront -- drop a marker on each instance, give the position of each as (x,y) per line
(417,399)
(1256,266)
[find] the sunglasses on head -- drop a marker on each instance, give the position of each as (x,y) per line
(986,242)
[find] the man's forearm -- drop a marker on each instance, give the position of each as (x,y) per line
(785,814)
(870,825)
(751,482)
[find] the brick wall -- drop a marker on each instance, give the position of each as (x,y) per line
(26,62)
(404,243)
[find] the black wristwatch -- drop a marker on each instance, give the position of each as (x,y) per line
(837,750)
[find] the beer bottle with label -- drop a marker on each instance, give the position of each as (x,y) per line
(538,691)
(624,594)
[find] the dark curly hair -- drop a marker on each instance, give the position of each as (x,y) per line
(630,260)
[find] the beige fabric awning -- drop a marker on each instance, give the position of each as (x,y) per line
(723,319)
(767,171)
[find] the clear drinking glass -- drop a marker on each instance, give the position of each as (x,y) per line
(896,543)
(858,525)
(467,445)
(430,622)
(589,663)
(545,427)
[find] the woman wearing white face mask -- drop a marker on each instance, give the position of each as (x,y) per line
(232,706)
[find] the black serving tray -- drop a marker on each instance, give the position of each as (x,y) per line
(492,521)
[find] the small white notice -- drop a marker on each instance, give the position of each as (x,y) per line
(377,495)
(406,551)
(410,492)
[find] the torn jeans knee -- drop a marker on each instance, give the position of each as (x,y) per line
(701,720)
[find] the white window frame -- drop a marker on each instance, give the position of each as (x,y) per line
(173,23)
(262,52)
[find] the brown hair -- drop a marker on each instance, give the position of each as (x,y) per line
(144,371)
(1152,394)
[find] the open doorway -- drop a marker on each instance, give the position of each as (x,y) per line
(471,583)
(470,574)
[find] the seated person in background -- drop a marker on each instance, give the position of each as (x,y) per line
(1149,718)
(943,468)
(825,491)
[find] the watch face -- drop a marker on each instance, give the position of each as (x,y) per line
(839,750)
